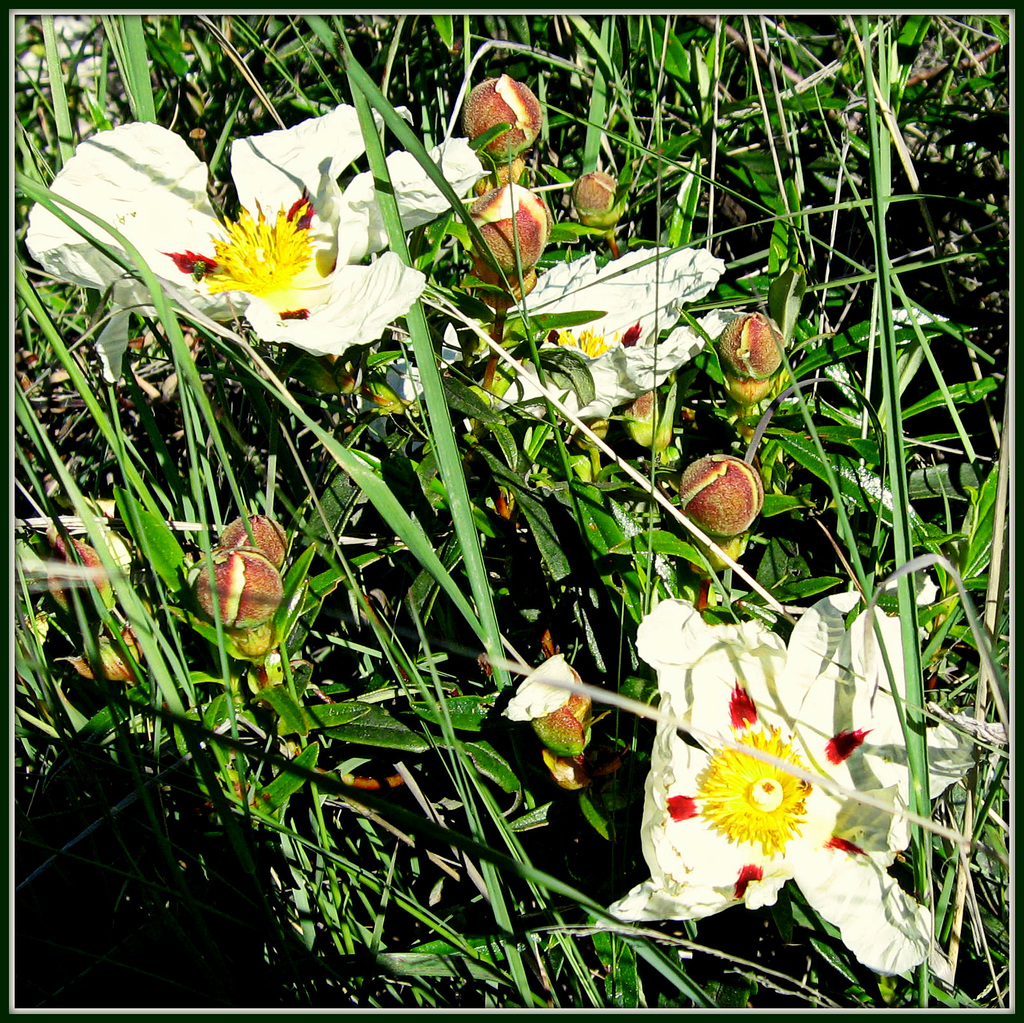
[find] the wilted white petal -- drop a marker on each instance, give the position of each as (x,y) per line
(535,697)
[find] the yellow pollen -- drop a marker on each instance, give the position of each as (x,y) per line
(588,342)
(749,800)
(261,258)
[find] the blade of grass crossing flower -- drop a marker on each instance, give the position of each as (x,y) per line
(438,415)
(914,693)
(128,41)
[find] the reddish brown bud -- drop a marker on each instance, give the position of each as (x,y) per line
(593,198)
(750,347)
(510,215)
(267,537)
(84,555)
(249,587)
(721,494)
(503,101)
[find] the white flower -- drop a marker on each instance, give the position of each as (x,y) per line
(722,828)
(633,298)
(536,698)
(288,264)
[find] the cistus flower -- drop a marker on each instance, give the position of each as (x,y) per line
(631,300)
(723,828)
(287,262)
(721,494)
(593,198)
(560,717)
(268,537)
(248,587)
(503,101)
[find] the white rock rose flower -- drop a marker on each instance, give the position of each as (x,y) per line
(289,263)
(634,298)
(722,828)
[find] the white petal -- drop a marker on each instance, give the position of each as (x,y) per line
(535,698)
(112,344)
(699,665)
(419,199)
(273,170)
(364,300)
(146,183)
(622,374)
(649,295)
(887,930)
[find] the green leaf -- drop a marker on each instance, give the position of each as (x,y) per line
(378,728)
(295,589)
(290,719)
(492,765)
(785,295)
(538,817)
(273,798)
(465,712)
(445,29)
(154,538)
(596,816)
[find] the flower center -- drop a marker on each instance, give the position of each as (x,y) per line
(271,260)
(588,342)
(748,800)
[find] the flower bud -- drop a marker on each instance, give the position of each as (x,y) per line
(750,347)
(567,772)
(85,555)
(646,426)
(267,537)
(746,392)
(593,198)
(503,101)
(560,717)
(249,587)
(510,215)
(722,494)
(503,174)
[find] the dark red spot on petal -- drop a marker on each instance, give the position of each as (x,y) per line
(682,808)
(192,263)
(742,711)
(553,336)
(842,744)
(631,336)
(295,314)
(302,210)
(748,873)
(835,842)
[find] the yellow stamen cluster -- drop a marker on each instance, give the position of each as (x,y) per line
(587,342)
(260,257)
(749,800)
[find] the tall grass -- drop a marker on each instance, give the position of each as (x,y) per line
(364,829)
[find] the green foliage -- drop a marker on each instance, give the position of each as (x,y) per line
(335,812)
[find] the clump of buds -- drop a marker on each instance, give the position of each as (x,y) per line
(503,101)
(593,198)
(268,537)
(721,494)
(512,220)
(84,555)
(248,588)
(750,352)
